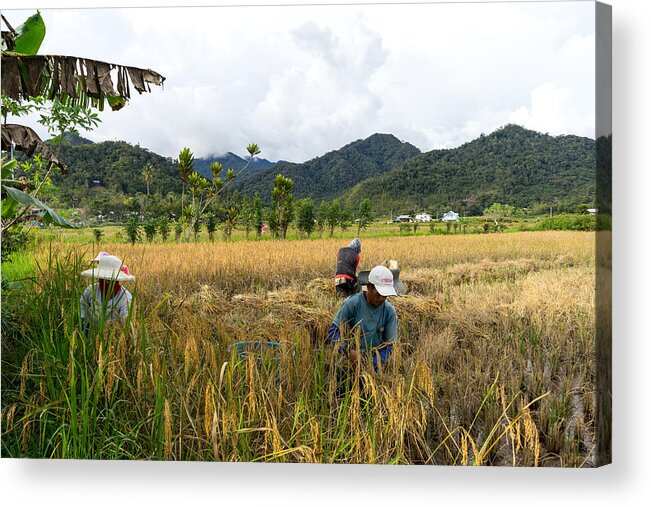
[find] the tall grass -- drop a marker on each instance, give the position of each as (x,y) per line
(495,364)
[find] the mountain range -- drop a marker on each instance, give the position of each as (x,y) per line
(512,165)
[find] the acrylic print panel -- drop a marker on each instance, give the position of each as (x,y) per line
(231,168)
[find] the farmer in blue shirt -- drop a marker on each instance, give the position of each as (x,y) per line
(374,317)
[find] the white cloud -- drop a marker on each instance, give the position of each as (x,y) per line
(553,110)
(301,81)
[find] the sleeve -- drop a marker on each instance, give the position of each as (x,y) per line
(391,327)
(84,313)
(84,304)
(125,304)
(343,317)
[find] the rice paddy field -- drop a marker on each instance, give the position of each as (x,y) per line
(495,366)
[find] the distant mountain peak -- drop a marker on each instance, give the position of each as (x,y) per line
(330,174)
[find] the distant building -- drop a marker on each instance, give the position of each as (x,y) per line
(592,211)
(423,217)
(450,216)
(404,218)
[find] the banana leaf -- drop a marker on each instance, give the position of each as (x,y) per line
(30,35)
(47,214)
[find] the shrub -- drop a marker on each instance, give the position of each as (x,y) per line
(164,227)
(150,229)
(569,222)
(132,230)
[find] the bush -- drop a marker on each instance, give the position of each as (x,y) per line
(164,227)
(178,230)
(569,222)
(150,228)
(132,230)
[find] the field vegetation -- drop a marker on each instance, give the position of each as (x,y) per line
(495,365)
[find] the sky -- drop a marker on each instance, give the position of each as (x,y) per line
(301,81)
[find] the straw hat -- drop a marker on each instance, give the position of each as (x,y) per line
(109,267)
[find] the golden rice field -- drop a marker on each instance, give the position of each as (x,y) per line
(496,364)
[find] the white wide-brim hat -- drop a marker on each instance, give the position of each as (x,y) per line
(108,268)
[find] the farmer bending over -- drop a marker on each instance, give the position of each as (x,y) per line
(106,300)
(346,270)
(373,315)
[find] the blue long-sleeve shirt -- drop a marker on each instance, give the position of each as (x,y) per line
(378,327)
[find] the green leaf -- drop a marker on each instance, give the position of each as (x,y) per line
(9,206)
(7,167)
(30,35)
(116,103)
(48,214)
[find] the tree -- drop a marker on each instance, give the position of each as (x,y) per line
(186,167)
(164,227)
(147,175)
(305,216)
(150,228)
(132,230)
(196,229)
(334,216)
(363,215)
(322,217)
(178,230)
(272,222)
(231,214)
(205,192)
(345,218)
(247,216)
(283,200)
(258,214)
(211,224)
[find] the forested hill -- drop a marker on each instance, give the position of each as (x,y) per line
(115,166)
(328,176)
(512,165)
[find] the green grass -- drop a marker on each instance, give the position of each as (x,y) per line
(20,266)
(469,225)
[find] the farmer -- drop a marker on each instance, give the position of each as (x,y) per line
(373,316)
(105,300)
(346,271)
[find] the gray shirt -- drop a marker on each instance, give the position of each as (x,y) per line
(92,304)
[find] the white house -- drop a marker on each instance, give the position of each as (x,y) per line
(423,217)
(592,211)
(450,216)
(404,218)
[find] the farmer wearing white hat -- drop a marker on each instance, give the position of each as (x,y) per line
(374,317)
(105,299)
